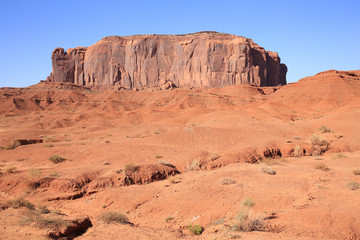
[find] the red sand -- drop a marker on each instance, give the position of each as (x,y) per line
(217,133)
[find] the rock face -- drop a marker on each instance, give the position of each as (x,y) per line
(204,59)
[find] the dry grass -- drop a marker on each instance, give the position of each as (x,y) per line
(318,145)
(227,181)
(165,163)
(248,202)
(13,145)
(169,218)
(174,179)
(10,169)
(353,185)
(274,161)
(324,129)
(54,174)
(193,166)
(268,170)
(56,159)
(50,222)
(114,217)
(322,167)
(339,155)
(34,172)
(49,145)
(131,167)
(246,220)
(20,202)
(214,156)
(297,151)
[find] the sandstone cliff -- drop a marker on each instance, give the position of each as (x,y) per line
(204,59)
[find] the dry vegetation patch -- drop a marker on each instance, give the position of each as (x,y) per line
(131,167)
(318,145)
(56,159)
(322,167)
(353,185)
(114,217)
(227,181)
(20,202)
(324,129)
(268,170)
(246,220)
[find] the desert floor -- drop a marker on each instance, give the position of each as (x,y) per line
(286,159)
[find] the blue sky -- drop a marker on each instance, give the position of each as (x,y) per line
(310,36)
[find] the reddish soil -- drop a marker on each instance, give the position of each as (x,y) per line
(161,157)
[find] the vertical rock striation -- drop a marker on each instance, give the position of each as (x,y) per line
(204,59)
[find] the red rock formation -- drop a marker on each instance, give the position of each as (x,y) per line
(204,59)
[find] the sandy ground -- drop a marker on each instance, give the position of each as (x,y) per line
(217,143)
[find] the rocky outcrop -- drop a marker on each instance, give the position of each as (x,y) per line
(204,59)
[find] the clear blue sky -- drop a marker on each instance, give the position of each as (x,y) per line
(310,36)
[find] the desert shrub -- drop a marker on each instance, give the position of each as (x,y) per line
(33,185)
(49,145)
(48,139)
(13,145)
(54,174)
(214,156)
(324,129)
(268,170)
(173,179)
(156,133)
(356,172)
(169,218)
(20,202)
(131,167)
(56,159)
(43,209)
(318,145)
(111,216)
(11,169)
(322,167)
(248,221)
(196,229)
(273,161)
(165,163)
(340,155)
(227,181)
(158,156)
(353,185)
(297,151)
(50,222)
(248,202)
(193,166)
(107,141)
(34,172)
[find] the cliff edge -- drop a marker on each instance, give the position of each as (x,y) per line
(203,59)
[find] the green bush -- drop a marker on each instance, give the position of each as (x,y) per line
(196,229)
